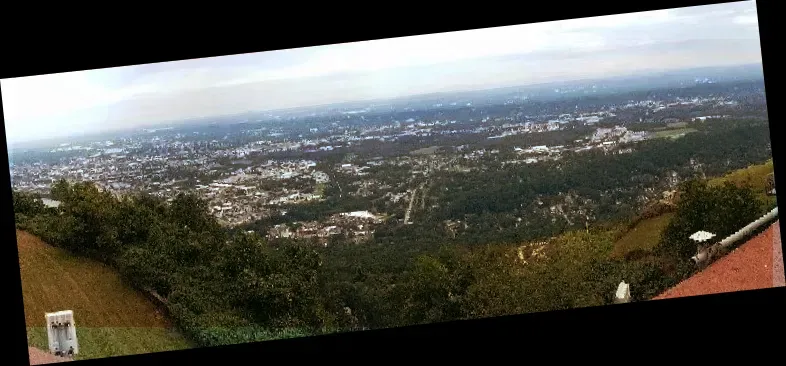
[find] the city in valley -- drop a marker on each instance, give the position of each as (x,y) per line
(341,172)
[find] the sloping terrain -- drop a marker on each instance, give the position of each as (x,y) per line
(644,236)
(112,318)
(756,176)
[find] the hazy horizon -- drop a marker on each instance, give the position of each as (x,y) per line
(104,100)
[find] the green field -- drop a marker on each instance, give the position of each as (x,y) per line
(112,319)
(673,133)
(672,126)
(677,124)
(426,150)
(644,236)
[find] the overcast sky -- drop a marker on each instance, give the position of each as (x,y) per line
(64,104)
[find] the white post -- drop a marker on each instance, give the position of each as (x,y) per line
(61,332)
(623,293)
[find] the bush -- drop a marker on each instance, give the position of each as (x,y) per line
(27,205)
(647,279)
(720,210)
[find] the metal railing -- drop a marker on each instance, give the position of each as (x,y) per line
(705,256)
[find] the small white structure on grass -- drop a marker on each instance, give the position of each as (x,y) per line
(623,293)
(61,332)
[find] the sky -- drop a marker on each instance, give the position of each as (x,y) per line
(104,100)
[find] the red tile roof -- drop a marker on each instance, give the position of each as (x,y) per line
(754,265)
(39,357)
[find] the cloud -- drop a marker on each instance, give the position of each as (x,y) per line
(140,94)
(746,19)
(49,95)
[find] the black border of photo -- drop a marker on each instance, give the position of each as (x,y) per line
(703,325)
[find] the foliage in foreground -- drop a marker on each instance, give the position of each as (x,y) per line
(113,319)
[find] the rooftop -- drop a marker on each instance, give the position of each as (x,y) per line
(754,265)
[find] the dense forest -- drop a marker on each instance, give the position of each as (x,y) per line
(227,286)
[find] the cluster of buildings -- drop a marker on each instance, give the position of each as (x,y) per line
(241,186)
(356,225)
(617,134)
(602,134)
(658,105)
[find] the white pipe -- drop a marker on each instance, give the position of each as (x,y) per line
(748,228)
(708,253)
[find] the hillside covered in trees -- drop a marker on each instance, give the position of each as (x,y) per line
(227,286)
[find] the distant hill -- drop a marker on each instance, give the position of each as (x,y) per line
(112,319)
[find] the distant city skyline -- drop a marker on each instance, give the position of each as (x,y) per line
(95,101)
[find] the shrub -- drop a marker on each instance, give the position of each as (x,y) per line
(721,210)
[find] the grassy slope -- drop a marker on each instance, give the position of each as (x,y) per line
(112,319)
(644,236)
(755,176)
